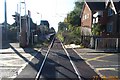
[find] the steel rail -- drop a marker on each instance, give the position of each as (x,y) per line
(42,65)
(73,65)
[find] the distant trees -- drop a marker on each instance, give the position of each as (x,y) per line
(69,30)
(62,26)
(52,30)
(73,17)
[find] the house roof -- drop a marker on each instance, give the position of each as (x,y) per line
(96,5)
(93,6)
(117,6)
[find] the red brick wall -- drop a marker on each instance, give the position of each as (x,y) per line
(86,22)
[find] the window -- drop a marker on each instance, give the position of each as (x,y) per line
(86,16)
(110,12)
(83,18)
(110,27)
(93,20)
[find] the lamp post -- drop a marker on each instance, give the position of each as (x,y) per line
(5,15)
(22,2)
(38,17)
(39,14)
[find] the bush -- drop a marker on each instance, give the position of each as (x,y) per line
(60,36)
(96,28)
(70,36)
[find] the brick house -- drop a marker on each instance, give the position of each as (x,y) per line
(107,14)
(92,12)
(113,19)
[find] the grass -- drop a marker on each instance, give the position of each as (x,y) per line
(60,37)
(40,44)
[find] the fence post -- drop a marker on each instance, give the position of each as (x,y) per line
(32,38)
(117,44)
(96,43)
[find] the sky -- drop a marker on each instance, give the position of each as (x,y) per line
(52,10)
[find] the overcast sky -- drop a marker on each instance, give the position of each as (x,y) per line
(52,10)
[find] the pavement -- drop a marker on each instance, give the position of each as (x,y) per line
(105,63)
(14,59)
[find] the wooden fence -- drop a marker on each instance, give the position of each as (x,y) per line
(107,43)
(98,42)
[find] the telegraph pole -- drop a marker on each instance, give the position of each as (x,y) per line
(5,23)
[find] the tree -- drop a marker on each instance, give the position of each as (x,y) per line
(78,7)
(62,26)
(73,17)
(69,30)
(52,30)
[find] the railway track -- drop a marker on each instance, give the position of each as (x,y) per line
(54,50)
(42,65)
(56,62)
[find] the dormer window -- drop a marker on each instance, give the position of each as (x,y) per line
(110,12)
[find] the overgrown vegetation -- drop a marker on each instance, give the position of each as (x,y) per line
(69,30)
(96,28)
(40,44)
(60,36)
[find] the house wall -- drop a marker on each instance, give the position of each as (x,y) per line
(118,22)
(115,28)
(86,22)
(85,31)
(103,19)
(115,20)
